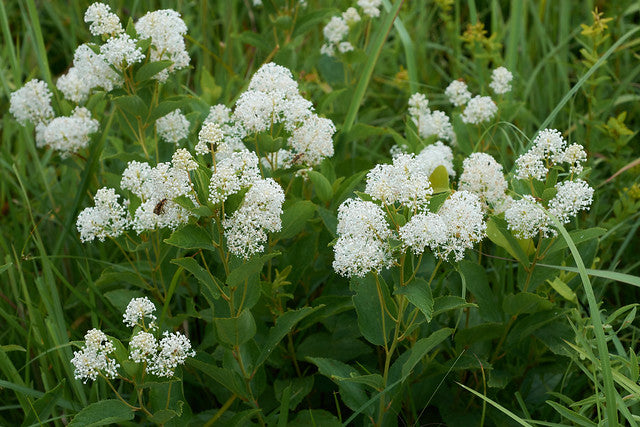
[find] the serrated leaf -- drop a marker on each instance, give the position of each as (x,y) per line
(418,292)
(236,330)
(191,236)
(101,413)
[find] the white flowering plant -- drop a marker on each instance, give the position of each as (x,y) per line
(285,212)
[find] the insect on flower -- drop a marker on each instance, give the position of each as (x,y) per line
(159,209)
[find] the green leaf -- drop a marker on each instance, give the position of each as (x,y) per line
(269,144)
(203,276)
(497,406)
(475,279)
(351,393)
(422,347)
(525,302)
(150,69)
(167,106)
(439,179)
(321,184)
(295,217)
(449,302)
(101,413)
(611,275)
(236,330)
(418,292)
(578,236)
(565,291)
(227,378)
(315,418)
(255,40)
(571,415)
(284,325)
(132,104)
(373,320)
(246,269)
(300,387)
(374,381)
(191,236)
(210,90)
(499,234)
(42,407)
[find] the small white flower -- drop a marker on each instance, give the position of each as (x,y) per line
(121,52)
(344,47)
(93,359)
(143,347)
(336,30)
(575,156)
(501,80)
(571,198)
(462,214)
(137,310)
(210,135)
(351,16)
(370,8)
(233,173)
(531,165)
(107,219)
(32,103)
(183,160)
(479,109)
(435,155)
(173,127)
(313,140)
(458,93)
(103,22)
(424,230)
(173,351)
(527,219)
(483,176)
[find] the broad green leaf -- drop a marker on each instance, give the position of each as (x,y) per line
(150,69)
(203,276)
(498,234)
(284,325)
(120,298)
(481,332)
(109,411)
(295,217)
(418,292)
(375,323)
(352,394)
(321,185)
(245,269)
(525,302)
(191,236)
(422,347)
(167,106)
(210,90)
(375,381)
(236,330)
(269,144)
(227,378)
(565,291)
(439,179)
(315,418)
(133,105)
(475,278)
(300,388)
(449,302)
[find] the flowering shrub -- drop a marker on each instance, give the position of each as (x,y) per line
(295,214)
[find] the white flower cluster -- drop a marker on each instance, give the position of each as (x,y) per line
(32,103)
(501,80)
(363,243)
(403,181)
(108,218)
(157,187)
(549,148)
(479,109)
(430,123)
(166,30)
(94,358)
(103,22)
(173,127)
(163,357)
(458,93)
(483,176)
(69,134)
(121,51)
(233,173)
(273,99)
(232,132)
(434,155)
(246,229)
(337,30)
(137,310)
(457,226)
(527,217)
